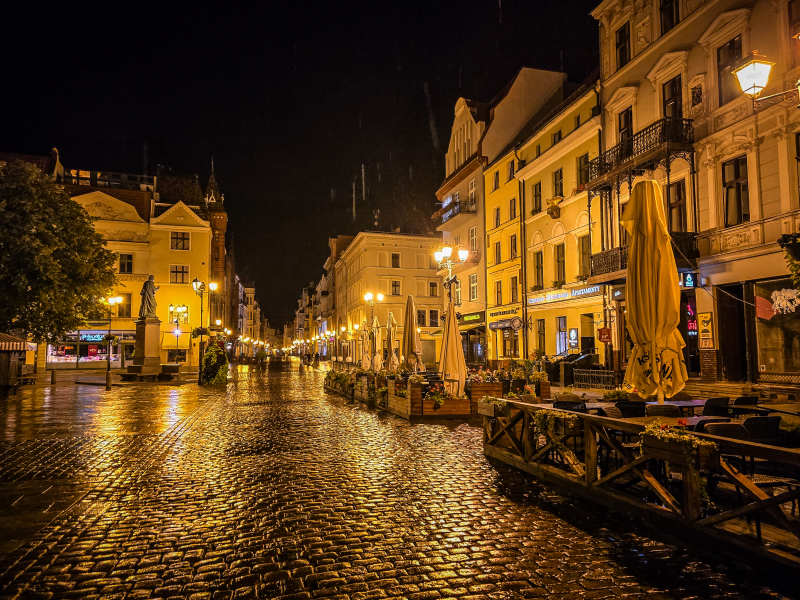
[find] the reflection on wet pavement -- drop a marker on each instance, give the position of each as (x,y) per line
(272,489)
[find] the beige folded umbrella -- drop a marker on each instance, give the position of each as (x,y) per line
(411,344)
(391,336)
(365,356)
(656,365)
(451,360)
(377,360)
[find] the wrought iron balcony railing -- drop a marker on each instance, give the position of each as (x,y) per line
(669,130)
(457,208)
(616,259)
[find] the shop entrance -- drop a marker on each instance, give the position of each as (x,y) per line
(732,335)
(587,332)
(688,330)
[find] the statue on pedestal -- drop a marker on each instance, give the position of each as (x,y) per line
(147,310)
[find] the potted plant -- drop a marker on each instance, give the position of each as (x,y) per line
(529,395)
(679,447)
(541,384)
(517,380)
(502,376)
(790,242)
(491,407)
(559,283)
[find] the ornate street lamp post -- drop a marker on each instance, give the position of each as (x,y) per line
(110,302)
(752,73)
(200,289)
(443,259)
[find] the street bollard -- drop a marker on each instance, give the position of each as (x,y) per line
(52,377)
(108,380)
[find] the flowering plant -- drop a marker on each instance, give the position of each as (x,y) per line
(416,379)
(500,374)
(538,376)
(518,374)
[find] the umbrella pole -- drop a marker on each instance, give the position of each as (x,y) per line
(660,395)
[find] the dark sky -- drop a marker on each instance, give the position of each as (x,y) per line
(290,98)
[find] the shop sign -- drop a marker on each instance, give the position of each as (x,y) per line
(604,335)
(501,324)
(557,295)
(516,323)
(706,333)
(618,293)
(476,317)
(92,337)
(500,313)
(687,280)
(573,338)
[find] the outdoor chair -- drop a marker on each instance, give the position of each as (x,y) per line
(571,405)
(662,410)
(763,430)
(716,407)
(701,425)
(631,409)
(746,401)
(613,412)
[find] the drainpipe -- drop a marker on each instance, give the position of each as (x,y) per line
(523,259)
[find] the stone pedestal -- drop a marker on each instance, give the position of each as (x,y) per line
(147,358)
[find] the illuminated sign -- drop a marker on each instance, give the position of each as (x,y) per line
(92,337)
(476,317)
(510,311)
(557,295)
(573,337)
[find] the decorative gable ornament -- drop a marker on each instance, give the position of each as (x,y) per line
(552,207)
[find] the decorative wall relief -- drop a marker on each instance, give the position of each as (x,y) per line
(643,33)
(729,117)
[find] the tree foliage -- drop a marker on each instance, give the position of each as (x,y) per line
(215,363)
(53,265)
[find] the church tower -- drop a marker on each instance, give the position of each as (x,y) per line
(215,205)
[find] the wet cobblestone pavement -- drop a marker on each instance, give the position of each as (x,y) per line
(273,489)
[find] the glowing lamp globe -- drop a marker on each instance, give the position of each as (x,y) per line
(753,74)
(438,256)
(447,250)
(463,253)
(212,286)
(367,296)
(380,297)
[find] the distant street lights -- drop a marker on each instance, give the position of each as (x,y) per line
(200,289)
(442,256)
(370,299)
(178,313)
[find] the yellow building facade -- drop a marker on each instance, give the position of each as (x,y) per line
(504,314)
(562,310)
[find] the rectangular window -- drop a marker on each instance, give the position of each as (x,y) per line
(560,263)
(126,263)
(577,121)
(179,240)
(434,318)
(473,239)
(558,182)
(395,288)
(623,45)
(677,205)
(512,209)
(458,291)
(538,270)
(583,170)
(538,150)
(670,15)
(672,94)
(421,318)
(537,197)
(736,193)
(794,29)
(498,293)
(584,256)
(456,197)
(433,288)
(179,274)
(473,287)
(514,289)
(557,137)
(625,124)
(512,246)
(457,240)
(395,261)
(496,181)
(540,334)
(124,307)
(510,170)
(472,192)
(497,256)
(727,56)
(497,217)
(561,330)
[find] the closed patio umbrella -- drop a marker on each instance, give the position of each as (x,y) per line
(451,360)
(656,365)
(365,357)
(377,360)
(411,344)
(391,335)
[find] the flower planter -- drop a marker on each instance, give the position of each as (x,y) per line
(479,390)
(542,389)
(517,385)
(506,383)
(487,409)
(704,457)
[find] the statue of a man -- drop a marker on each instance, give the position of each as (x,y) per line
(148,308)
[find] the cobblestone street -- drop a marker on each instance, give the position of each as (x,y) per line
(273,489)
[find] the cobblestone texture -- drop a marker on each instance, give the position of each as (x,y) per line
(271,489)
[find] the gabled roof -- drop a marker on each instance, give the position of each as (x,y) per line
(175,211)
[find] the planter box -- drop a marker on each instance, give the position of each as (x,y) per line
(542,389)
(479,390)
(517,385)
(487,409)
(706,457)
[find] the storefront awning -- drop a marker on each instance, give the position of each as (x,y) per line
(9,343)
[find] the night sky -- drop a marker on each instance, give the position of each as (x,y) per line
(289,98)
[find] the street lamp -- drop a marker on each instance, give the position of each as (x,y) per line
(110,301)
(752,73)
(200,289)
(442,257)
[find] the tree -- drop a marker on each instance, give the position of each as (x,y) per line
(53,265)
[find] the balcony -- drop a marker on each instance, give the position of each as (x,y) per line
(644,150)
(455,214)
(611,266)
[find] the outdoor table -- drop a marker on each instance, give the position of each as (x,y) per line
(691,422)
(786,409)
(685,405)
